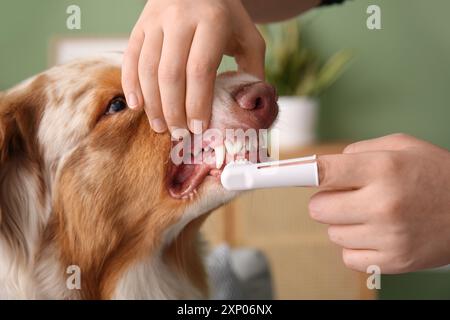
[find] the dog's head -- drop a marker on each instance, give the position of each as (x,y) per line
(84,176)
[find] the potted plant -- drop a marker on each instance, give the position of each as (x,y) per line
(300,78)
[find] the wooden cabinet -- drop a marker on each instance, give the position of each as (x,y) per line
(304,263)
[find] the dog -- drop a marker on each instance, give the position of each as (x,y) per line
(89,192)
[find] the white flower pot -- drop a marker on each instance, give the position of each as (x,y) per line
(297,122)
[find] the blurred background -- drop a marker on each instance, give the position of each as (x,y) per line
(396,80)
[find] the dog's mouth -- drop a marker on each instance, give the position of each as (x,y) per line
(209,160)
(238,130)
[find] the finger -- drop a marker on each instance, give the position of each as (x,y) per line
(148,76)
(130,77)
(172,75)
(391,142)
(360,260)
(339,207)
(353,237)
(204,59)
(344,171)
(252,55)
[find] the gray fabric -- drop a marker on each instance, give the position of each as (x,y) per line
(239,274)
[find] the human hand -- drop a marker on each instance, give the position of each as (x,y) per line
(173,54)
(387,202)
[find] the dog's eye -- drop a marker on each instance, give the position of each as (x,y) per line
(116,105)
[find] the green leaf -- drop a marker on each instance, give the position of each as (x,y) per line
(294,69)
(331,71)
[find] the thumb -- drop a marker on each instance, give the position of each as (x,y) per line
(392,142)
(252,56)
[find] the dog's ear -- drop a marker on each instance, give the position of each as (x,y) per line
(9,135)
(19,116)
(20,110)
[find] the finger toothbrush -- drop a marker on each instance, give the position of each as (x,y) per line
(245,175)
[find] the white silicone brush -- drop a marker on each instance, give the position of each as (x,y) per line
(244,175)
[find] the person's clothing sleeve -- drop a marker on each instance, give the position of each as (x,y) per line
(328,2)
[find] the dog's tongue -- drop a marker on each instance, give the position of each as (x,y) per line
(187,177)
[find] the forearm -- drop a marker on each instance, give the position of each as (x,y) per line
(264,11)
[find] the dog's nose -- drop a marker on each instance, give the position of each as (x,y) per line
(256,96)
(258,103)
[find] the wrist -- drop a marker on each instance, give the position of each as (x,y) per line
(277,10)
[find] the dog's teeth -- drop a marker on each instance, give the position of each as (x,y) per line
(237,147)
(263,141)
(196,152)
(233,148)
(252,145)
(220,155)
(229,146)
(187,158)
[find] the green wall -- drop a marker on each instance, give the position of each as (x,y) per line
(399,80)
(27,28)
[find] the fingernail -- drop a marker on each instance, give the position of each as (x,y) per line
(132,100)
(158,125)
(196,126)
(179,134)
